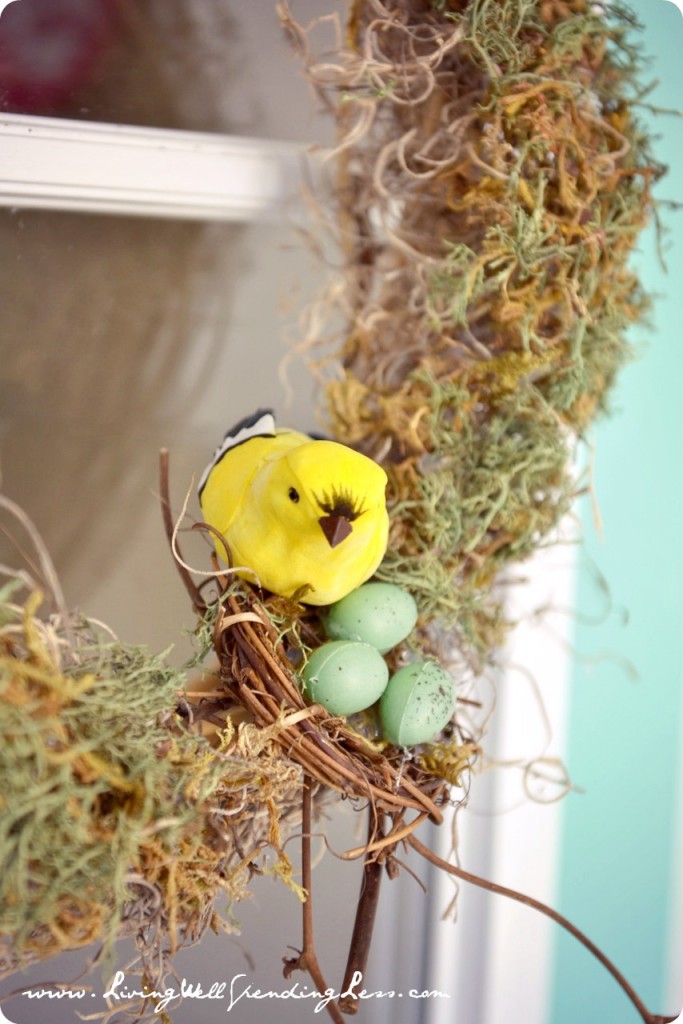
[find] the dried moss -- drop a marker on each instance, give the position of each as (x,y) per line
(492,186)
(482,494)
(116,816)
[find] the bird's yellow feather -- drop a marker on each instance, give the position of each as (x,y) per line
(278,501)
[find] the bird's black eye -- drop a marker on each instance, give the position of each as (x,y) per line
(293,494)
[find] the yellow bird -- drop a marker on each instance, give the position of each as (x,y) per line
(298,512)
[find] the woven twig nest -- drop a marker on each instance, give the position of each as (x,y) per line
(257,673)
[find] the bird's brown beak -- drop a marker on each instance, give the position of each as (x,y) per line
(335,528)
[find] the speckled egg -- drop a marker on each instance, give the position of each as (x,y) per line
(380,614)
(345,676)
(417,703)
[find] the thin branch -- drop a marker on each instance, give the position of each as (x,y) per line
(529,901)
(307,959)
(197,600)
(366,911)
(44,566)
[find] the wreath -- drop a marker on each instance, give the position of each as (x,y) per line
(491,182)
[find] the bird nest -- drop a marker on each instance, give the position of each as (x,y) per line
(256,671)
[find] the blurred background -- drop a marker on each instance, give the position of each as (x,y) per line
(120,334)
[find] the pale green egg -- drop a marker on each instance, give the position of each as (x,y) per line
(380,614)
(345,676)
(417,703)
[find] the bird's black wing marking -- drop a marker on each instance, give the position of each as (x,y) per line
(251,421)
(259,424)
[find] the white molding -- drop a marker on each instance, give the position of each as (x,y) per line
(527,833)
(83,166)
(496,961)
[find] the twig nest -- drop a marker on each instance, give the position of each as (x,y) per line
(257,674)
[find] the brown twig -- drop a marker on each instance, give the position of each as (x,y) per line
(198,602)
(366,910)
(392,839)
(529,901)
(307,959)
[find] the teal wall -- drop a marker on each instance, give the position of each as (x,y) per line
(618,841)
